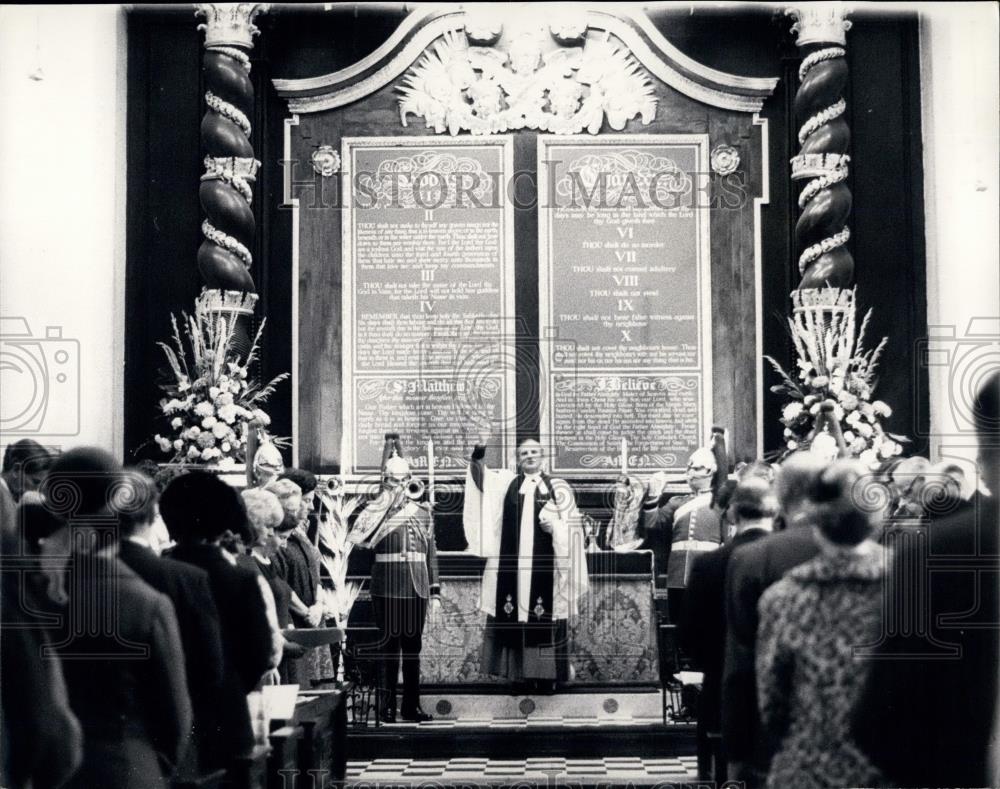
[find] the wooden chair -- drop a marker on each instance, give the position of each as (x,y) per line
(283,761)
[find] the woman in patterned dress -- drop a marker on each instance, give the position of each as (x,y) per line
(814,623)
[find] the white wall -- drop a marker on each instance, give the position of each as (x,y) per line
(960,69)
(62,215)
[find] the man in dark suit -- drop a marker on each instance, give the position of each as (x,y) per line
(752,569)
(703,621)
(404,583)
(117,638)
(189,590)
(198,509)
(927,712)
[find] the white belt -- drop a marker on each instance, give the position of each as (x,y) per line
(694,545)
(409,556)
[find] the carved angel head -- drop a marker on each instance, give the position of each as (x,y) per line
(564,97)
(486,97)
(525,53)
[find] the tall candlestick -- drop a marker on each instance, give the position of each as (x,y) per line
(430,471)
(624,456)
(343,457)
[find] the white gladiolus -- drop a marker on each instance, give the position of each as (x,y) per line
(881,408)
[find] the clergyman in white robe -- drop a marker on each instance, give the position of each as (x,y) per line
(527,527)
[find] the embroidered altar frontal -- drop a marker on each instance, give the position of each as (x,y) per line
(611,642)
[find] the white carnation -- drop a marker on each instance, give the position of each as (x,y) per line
(792,411)
(204,409)
(176,422)
(889,448)
(209,422)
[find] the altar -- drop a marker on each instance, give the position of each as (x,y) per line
(611,643)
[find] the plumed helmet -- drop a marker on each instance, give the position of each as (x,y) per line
(703,458)
(269,456)
(396,467)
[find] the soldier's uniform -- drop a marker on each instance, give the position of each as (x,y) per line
(678,528)
(695,527)
(404,579)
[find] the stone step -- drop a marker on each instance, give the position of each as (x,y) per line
(646,707)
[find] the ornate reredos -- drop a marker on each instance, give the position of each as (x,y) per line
(553,67)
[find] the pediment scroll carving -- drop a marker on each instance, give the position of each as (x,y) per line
(559,78)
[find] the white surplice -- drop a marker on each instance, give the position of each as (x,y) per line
(483,522)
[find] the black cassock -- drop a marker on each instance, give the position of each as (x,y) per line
(512,648)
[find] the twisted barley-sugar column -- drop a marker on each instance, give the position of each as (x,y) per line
(824,137)
(226,192)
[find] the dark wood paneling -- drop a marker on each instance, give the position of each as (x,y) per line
(162,213)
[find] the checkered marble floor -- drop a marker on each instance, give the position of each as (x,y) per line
(551,771)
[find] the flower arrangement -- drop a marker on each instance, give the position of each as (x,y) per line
(212,398)
(833,365)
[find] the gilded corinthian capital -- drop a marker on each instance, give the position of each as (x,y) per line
(229,24)
(820,23)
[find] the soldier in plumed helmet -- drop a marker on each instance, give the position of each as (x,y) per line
(404,581)
(678,528)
